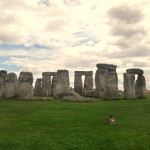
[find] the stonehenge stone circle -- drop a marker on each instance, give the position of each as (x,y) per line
(106,81)
(62,86)
(134,89)
(25,85)
(3,74)
(11,87)
(38,87)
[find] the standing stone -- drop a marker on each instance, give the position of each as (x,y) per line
(111,86)
(25,85)
(140,86)
(11,87)
(129,86)
(46,84)
(54,83)
(100,82)
(38,87)
(78,86)
(3,74)
(88,83)
(106,81)
(63,84)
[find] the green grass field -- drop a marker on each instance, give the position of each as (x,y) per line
(56,125)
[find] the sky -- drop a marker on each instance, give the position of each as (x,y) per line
(47,35)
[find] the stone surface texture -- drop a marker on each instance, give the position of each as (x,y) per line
(129,86)
(62,87)
(25,85)
(3,74)
(11,88)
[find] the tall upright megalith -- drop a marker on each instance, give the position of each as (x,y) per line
(78,85)
(46,84)
(11,87)
(140,86)
(134,89)
(106,81)
(38,87)
(129,86)
(3,74)
(62,87)
(25,85)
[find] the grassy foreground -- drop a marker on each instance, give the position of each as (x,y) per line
(56,125)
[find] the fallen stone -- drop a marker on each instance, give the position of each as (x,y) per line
(75,97)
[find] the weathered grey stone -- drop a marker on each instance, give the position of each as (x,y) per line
(140,86)
(26,91)
(106,84)
(25,85)
(46,86)
(26,77)
(54,83)
(85,73)
(49,73)
(63,84)
(38,87)
(100,82)
(108,67)
(111,86)
(129,86)
(3,74)
(11,87)
(75,97)
(135,71)
(88,83)
(78,86)
(90,93)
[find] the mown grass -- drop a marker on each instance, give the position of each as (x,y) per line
(56,125)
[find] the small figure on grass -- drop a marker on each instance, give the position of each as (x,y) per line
(112,119)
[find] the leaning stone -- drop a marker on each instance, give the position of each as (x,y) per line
(63,84)
(135,71)
(129,86)
(140,87)
(108,67)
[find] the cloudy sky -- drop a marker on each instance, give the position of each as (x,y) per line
(46,35)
